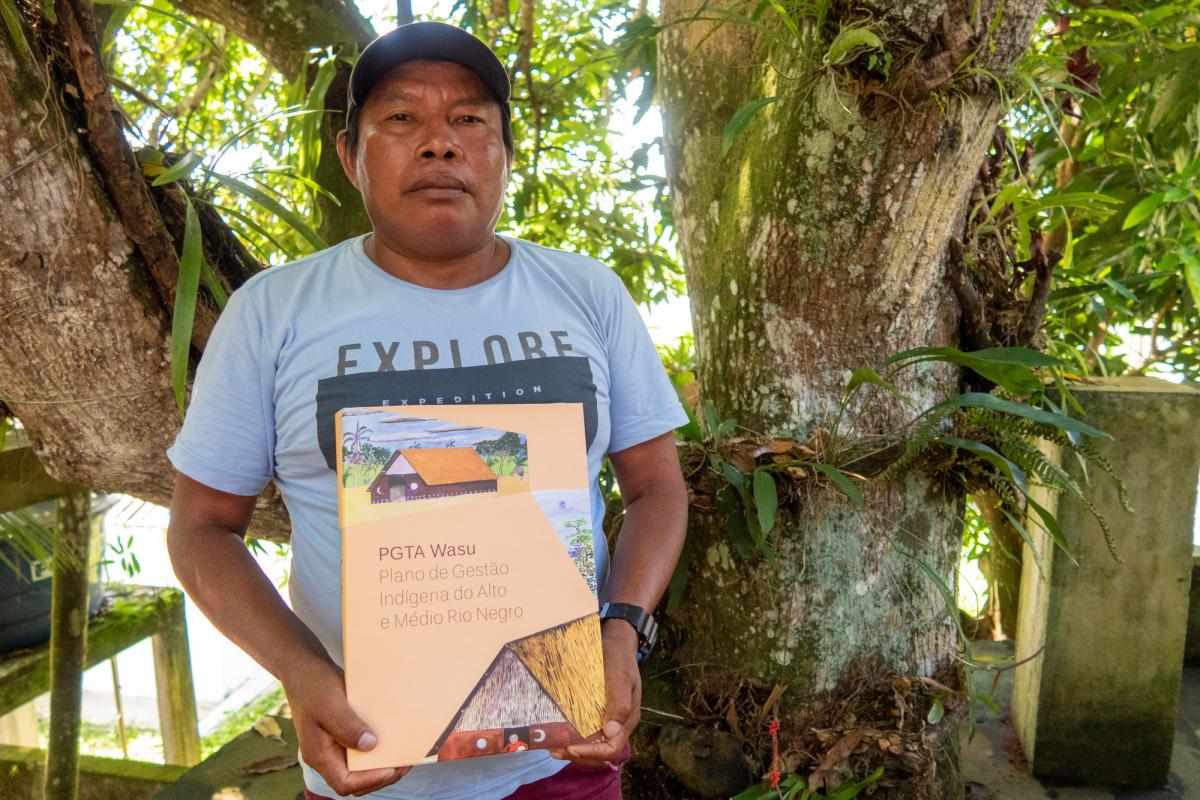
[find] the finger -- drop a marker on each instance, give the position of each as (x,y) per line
(362,782)
(600,751)
(328,758)
(604,751)
(347,727)
(399,772)
(617,707)
(623,710)
(595,765)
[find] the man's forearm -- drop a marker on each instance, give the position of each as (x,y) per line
(229,586)
(648,547)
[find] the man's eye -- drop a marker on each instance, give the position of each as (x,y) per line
(399,116)
(470,118)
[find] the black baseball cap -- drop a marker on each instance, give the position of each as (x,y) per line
(428,40)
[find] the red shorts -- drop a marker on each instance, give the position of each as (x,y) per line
(572,782)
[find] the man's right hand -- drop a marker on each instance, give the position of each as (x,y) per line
(205,540)
(327,726)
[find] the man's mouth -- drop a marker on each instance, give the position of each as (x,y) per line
(439,186)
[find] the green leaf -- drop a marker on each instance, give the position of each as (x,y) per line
(735,477)
(184,312)
(787,19)
(756,534)
(759,791)
(690,430)
(1020,528)
(731,510)
(1142,210)
(180,18)
(275,207)
(1050,523)
(936,712)
(1084,201)
(842,481)
(849,43)
(679,581)
(16,32)
(1191,272)
(849,790)
(869,375)
(1013,472)
(1009,367)
(710,417)
(993,403)
(949,598)
(766,500)
(740,119)
(180,169)
(310,125)
(214,286)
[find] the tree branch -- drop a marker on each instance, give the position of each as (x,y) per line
(284,30)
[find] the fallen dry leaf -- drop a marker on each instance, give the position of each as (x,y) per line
(836,756)
(272,764)
(268,727)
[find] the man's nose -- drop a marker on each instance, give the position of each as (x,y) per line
(439,142)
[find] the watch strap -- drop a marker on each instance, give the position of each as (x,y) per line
(642,621)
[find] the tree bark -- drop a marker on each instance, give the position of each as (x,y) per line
(88,264)
(813,248)
(285,31)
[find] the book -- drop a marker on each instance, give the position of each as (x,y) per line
(469,599)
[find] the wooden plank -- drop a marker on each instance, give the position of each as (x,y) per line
(20,726)
(176,694)
(259,767)
(68,645)
(135,613)
(23,480)
(22,768)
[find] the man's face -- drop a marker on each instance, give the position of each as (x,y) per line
(430,161)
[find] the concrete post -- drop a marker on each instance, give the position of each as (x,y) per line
(1098,705)
(1191,648)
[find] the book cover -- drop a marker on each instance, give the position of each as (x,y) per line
(470,624)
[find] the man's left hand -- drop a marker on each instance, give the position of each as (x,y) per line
(623,707)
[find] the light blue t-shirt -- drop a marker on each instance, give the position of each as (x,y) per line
(300,341)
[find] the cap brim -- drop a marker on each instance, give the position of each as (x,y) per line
(427,40)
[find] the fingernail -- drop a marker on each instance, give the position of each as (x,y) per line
(367,741)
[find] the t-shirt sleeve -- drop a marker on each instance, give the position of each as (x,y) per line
(228,437)
(642,402)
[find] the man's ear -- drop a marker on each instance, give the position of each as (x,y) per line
(349,163)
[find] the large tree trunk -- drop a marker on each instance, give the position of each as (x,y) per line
(815,247)
(88,261)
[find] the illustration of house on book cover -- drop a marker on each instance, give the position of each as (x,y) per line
(390,459)
(417,474)
(543,690)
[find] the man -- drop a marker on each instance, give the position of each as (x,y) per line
(432,306)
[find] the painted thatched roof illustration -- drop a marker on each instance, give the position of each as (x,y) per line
(562,659)
(509,696)
(554,675)
(440,465)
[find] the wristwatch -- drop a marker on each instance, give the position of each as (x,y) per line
(642,621)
